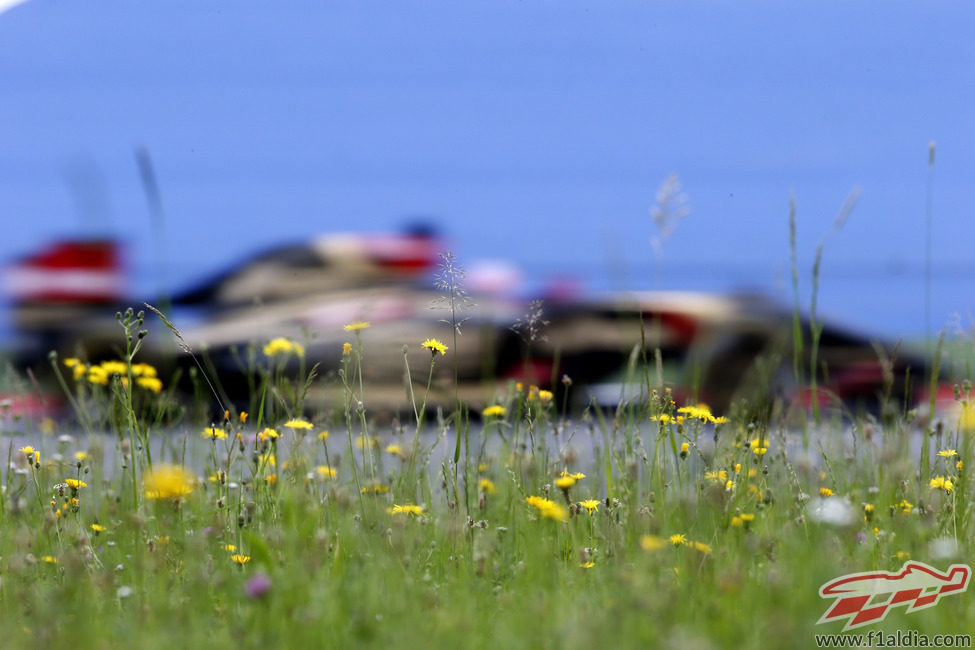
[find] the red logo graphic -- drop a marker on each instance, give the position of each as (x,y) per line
(865,598)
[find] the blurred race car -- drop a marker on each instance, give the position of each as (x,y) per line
(711,348)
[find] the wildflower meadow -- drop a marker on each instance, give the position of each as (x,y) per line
(150,520)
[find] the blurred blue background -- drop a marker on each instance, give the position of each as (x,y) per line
(537,132)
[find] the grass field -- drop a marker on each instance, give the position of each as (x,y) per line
(655,525)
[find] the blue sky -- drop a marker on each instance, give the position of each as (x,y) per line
(532,131)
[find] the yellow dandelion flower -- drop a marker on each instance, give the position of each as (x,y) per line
(587,565)
(576,475)
(49,559)
(701,547)
(115,367)
(168,482)
(947,453)
(323,436)
(591,505)
(701,412)
(356,326)
(78,369)
(552,510)
(27,450)
(902,556)
(493,410)
(98,528)
(143,370)
(825,492)
(729,485)
(685,449)
(268,434)
(98,375)
(941,482)
(486,486)
(281,346)
(564,482)
(243,417)
(214,433)
(271,479)
(75,484)
(959,465)
(407,509)
(652,543)
(230,548)
(362,442)
(376,488)
(326,472)
(346,349)
(905,506)
(434,346)
(395,450)
(545,396)
(719,476)
(240,559)
(663,418)
(547,508)
(736,522)
(152,384)
(966,417)
(677,539)
(298,423)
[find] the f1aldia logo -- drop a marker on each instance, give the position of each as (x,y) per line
(865,598)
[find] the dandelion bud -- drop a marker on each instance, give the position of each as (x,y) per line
(566,380)
(221,502)
(143,334)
